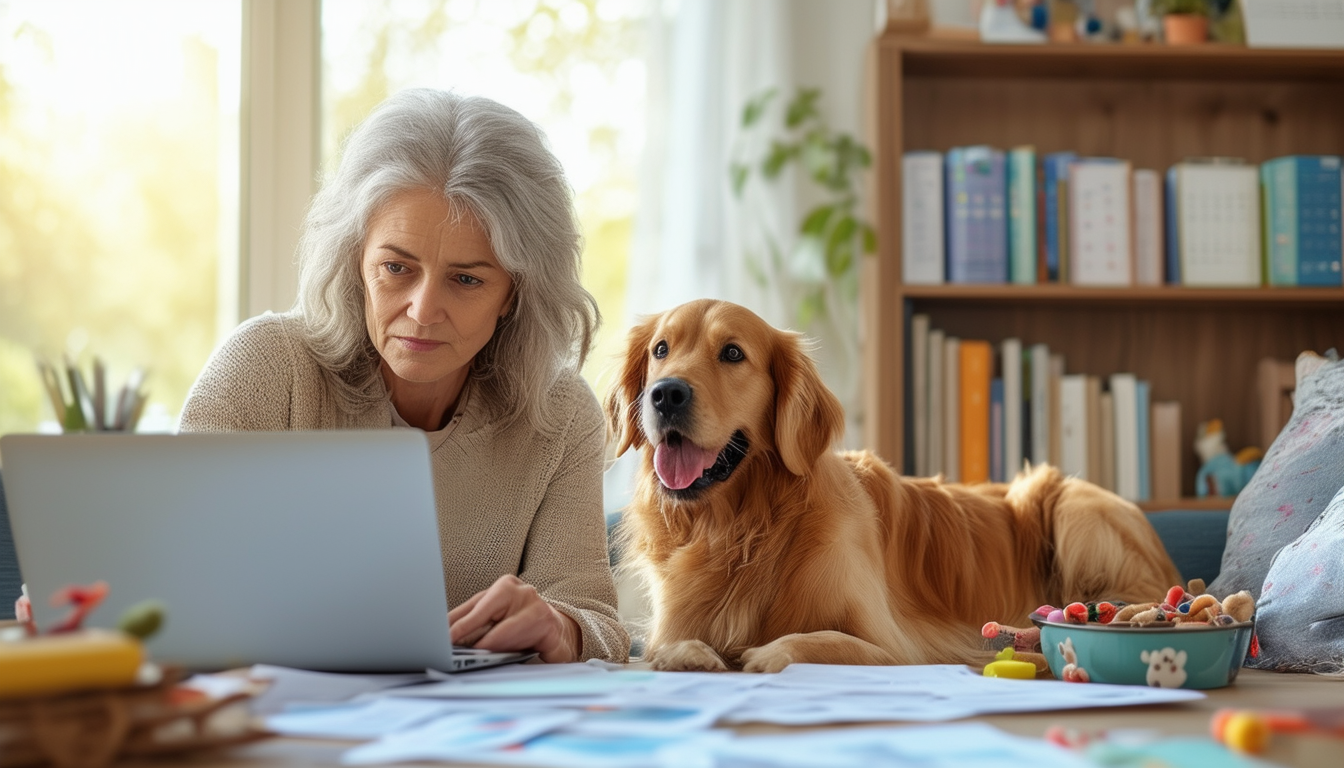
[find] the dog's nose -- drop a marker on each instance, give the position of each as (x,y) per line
(670,396)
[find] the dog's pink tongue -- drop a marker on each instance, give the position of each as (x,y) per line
(679,466)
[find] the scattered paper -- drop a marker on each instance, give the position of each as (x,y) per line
(360,722)
(289,686)
(460,737)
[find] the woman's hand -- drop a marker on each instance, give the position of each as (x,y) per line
(511,616)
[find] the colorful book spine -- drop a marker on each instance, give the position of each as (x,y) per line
(977,371)
(1011,371)
(1055,170)
(1302,241)
(1100,239)
(1073,455)
(996,418)
(1218,223)
(1173,240)
(1148,250)
(1143,415)
(922,254)
(1022,215)
(977,227)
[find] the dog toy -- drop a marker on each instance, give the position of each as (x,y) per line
(1071,673)
(1240,606)
(1222,474)
(1002,636)
(1249,731)
(1006,664)
(82,602)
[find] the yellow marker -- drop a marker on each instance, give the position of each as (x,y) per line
(1006,666)
(84,660)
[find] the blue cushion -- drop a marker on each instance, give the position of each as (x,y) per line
(10,581)
(1194,539)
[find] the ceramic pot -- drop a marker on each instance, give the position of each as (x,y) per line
(1185,28)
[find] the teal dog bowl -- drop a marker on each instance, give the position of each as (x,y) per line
(1199,656)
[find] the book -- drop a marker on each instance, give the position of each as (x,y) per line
(919,390)
(1010,361)
(1126,423)
(1022,215)
(1056,373)
(1100,245)
(1167,450)
(996,471)
(1143,436)
(1094,437)
(977,227)
(1171,240)
(1302,240)
(935,409)
(1218,223)
(1149,258)
(1107,410)
(977,370)
(922,254)
(1040,403)
(952,409)
(1073,438)
(1055,168)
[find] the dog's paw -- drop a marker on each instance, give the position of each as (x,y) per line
(772,657)
(686,656)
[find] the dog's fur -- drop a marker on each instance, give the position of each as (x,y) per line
(801,554)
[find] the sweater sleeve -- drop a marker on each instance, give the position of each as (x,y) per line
(247,385)
(566,554)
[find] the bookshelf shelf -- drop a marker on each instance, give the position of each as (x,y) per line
(1065,294)
(1151,104)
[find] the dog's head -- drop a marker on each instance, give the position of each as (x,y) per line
(708,385)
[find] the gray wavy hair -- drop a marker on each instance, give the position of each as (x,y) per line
(492,161)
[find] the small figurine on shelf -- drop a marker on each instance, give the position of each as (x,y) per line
(999,23)
(1222,474)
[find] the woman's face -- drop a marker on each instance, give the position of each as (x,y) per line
(433,289)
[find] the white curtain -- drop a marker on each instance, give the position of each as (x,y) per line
(693,238)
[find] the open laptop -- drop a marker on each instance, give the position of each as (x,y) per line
(316,550)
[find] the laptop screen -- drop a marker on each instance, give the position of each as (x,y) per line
(317,550)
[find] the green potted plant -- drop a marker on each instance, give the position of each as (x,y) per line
(832,232)
(1184,22)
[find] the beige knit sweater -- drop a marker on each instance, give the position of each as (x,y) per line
(510,501)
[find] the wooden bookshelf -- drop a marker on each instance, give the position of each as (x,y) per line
(1154,105)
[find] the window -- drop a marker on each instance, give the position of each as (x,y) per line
(118,193)
(575,67)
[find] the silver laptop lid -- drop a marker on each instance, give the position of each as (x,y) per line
(317,550)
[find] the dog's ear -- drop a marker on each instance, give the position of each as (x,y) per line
(622,404)
(808,417)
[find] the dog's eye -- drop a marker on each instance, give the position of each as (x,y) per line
(732,354)
(660,350)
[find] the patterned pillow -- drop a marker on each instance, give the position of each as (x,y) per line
(1300,473)
(1300,616)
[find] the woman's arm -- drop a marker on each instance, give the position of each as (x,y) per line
(566,555)
(247,385)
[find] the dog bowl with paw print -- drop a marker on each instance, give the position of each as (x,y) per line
(1186,656)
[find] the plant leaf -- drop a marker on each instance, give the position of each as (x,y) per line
(815,223)
(840,246)
(811,307)
(756,107)
(779,156)
(738,173)
(869,239)
(803,106)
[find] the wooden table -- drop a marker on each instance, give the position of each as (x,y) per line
(1252,690)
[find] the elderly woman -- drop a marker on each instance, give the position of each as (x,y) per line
(439,290)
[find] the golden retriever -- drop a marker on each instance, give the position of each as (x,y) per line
(763,547)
